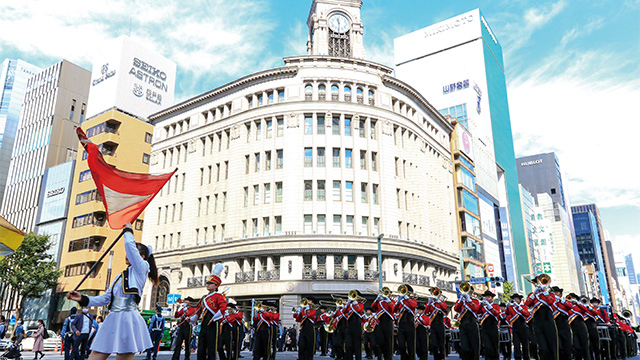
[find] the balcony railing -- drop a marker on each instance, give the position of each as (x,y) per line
(372,275)
(196,281)
(410,278)
(246,276)
(269,274)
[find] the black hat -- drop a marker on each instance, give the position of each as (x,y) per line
(488,293)
(420,307)
(409,288)
(574,295)
(311,298)
(503,304)
(517,296)
(158,308)
(231,305)
(358,292)
(556,289)
(594,300)
(73,310)
(189,298)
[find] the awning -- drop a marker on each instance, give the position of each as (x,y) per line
(10,238)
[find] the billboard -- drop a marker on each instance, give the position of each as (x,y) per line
(132,78)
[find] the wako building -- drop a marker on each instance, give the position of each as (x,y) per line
(288,175)
(457,64)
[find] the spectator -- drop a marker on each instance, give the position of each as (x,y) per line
(67,334)
(3,329)
(38,342)
(81,327)
(18,333)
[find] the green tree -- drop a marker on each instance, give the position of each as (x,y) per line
(30,270)
(508,289)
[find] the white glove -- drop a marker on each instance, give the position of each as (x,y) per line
(217,316)
(194,318)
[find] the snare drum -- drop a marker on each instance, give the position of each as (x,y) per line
(603,333)
(455,335)
(505,334)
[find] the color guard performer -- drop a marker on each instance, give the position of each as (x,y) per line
(562,312)
(370,324)
(517,316)
(541,302)
(405,311)
(211,310)
(261,332)
(183,314)
(353,311)
(306,316)
(384,306)
(489,319)
(422,333)
(436,310)
(467,309)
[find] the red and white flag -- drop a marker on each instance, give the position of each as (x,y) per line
(125,195)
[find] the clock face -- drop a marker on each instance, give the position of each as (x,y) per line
(339,23)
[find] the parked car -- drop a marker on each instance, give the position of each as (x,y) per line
(4,343)
(49,344)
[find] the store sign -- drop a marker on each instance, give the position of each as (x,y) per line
(454,23)
(490,270)
(546,268)
(105,75)
(532,162)
(55,192)
(457,86)
(465,142)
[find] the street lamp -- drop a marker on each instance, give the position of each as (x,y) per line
(380,261)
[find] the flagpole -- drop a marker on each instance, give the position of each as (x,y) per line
(95,265)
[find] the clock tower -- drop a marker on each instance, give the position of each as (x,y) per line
(335,28)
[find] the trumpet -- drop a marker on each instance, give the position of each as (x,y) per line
(465,288)
(544,279)
(584,301)
(436,293)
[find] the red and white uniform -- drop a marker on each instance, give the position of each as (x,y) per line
(466,305)
(305,314)
(562,306)
(185,311)
(275,317)
(578,310)
(486,310)
(324,318)
(237,319)
(435,306)
(447,322)
(405,306)
(540,298)
(515,311)
(260,318)
(383,305)
(372,318)
(213,303)
(423,320)
(353,308)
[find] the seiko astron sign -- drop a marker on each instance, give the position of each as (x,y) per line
(132,78)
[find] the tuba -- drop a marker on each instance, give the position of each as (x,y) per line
(370,324)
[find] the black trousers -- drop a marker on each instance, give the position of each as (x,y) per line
(469,338)
(208,340)
(306,341)
(274,341)
(580,339)
(437,337)
(533,341)
(384,337)
(353,338)
(224,342)
(156,337)
(324,340)
(565,337)
(236,341)
(80,347)
(422,342)
(407,337)
(68,347)
(370,345)
(546,333)
(490,339)
(594,339)
(337,339)
(261,342)
(184,335)
(520,338)
(505,346)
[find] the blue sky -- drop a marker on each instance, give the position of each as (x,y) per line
(573,66)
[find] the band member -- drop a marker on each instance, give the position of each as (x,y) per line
(306,316)
(517,316)
(467,309)
(504,328)
(620,348)
(489,319)
(541,302)
(183,314)
(592,327)
(562,312)
(579,329)
(339,322)
(237,334)
(353,311)
(436,310)
(261,332)
(124,331)
(384,306)
(422,333)
(405,311)
(370,324)
(275,320)
(323,319)
(211,310)
(448,327)
(226,329)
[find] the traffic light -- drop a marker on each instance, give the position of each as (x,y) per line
(496,280)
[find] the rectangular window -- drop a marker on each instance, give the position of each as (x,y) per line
(244,229)
(256,194)
(365,226)
(281,95)
(180,213)
(308,125)
(226,170)
(308,190)
(372,128)
(278,225)
(279,192)
(335,129)
(468,201)
(267,193)
(224,201)
(374,192)
(269,128)
(336,157)
(215,203)
(363,160)
(267,159)
(258,126)
(254,223)
(466,162)
(337,190)
(347,158)
(349,190)
(337,224)
(361,128)
(148,138)
(280,159)
(320,123)
(256,158)
(364,195)
(266,227)
(374,161)
(308,157)
(321,190)
(82,111)
(347,127)
(206,205)
(322,224)
(349,225)
(377,225)
(398,199)
(85,175)
(466,178)
(73,109)
(280,127)
(247,164)
(246,196)
(308,224)
(320,157)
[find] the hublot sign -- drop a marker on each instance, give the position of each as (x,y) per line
(55,192)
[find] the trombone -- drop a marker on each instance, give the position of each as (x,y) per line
(353,296)
(404,290)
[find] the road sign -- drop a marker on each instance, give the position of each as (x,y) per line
(173,298)
(477,280)
(546,268)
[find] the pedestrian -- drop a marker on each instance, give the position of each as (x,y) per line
(18,333)
(67,334)
(156,331)
(38,342)
(124,331)
(3,329)
(81,327)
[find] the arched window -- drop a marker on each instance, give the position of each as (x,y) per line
(335,91)
(322,92)
(347,93)
(308,92)
(371,97)
(359,95)
(160,292)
